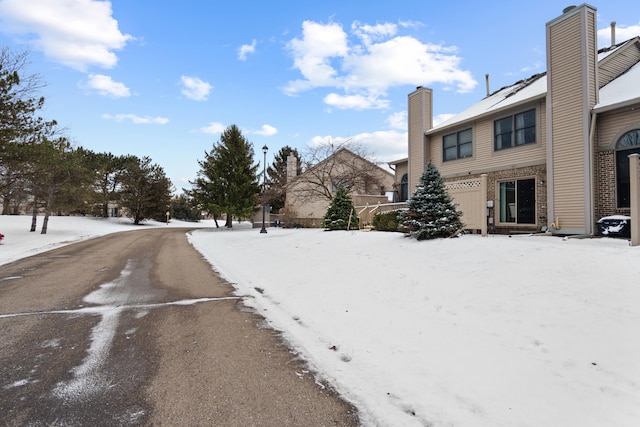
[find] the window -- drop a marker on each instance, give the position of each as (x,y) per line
(457,145)
(628,144)
(404,188)
(518,201)
(515,130)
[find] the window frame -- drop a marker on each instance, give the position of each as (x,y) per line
(514,130)
(460,147)
(505,205)
(628,143)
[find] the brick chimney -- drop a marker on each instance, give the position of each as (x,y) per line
(292,167)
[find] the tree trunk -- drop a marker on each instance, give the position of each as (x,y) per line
(229,223)
(47,211)
(34,216)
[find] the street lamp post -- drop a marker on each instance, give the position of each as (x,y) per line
(264,180)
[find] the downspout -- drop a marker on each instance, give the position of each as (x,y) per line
(592,147)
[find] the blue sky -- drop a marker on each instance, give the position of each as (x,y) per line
(162,78)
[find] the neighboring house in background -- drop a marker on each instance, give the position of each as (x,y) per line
(308,195)
(547,153)
(401,182)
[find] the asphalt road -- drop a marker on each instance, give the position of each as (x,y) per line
(136,329)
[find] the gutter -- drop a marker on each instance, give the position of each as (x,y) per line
(592,132)
(624,104)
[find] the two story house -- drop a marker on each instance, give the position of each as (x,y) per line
(308,195)
(549,152)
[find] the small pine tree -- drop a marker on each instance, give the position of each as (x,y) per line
(340,211)
(431,212)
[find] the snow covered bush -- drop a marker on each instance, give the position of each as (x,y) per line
(431,212)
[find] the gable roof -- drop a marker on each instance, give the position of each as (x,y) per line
(622,90)
(341,152)
(522,92)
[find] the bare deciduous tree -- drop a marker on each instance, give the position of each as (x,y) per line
(328,166)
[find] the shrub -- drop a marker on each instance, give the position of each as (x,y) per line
(386,221)
(341,212)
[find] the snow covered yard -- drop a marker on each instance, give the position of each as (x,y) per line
(496,331)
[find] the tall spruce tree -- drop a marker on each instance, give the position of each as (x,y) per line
(227,181)
(341,212)
(431,212)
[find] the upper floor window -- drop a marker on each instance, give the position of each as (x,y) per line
(457,145)
(628,144)
(515,130)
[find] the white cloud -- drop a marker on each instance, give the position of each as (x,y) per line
(369,61)
(76,33)
(213,128)
(382,146)
(356,102)
(195,88)
(371,33)
(266,130)
(398,120)
(441,118)
(106,86)
(623,33)
(312,55)
(138,120)
(246,49)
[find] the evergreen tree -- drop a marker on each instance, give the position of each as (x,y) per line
(182,208)
(227,181)
(108,171)
(431,212)
(341,212)
(277,177)
(146,191)
(19,126)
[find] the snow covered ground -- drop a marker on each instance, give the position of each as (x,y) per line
(495,331)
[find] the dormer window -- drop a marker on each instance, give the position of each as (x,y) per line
(512,131)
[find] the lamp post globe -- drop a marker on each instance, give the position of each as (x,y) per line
(263,230)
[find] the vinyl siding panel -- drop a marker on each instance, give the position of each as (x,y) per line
(611,126)
(419,118)
(572,80)
(485,158)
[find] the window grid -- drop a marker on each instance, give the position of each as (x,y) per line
(516,130)
(457,145)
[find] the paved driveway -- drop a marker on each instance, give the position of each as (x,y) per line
(136,329)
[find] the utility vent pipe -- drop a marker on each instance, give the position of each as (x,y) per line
(613,33)
(486,78)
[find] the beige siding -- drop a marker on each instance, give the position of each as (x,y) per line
(611,126)
(401,169)
(420,120)
(571,84)
(485,158)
